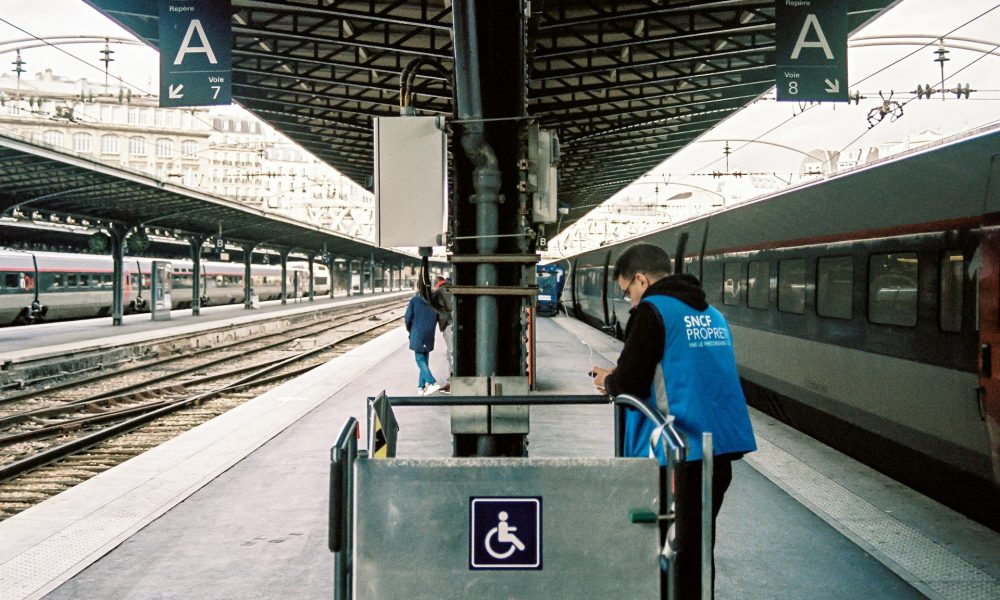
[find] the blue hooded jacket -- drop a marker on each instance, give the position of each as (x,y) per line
(421,320)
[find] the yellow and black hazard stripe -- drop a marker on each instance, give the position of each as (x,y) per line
(380,445)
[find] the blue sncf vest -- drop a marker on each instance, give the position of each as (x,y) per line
(696,381)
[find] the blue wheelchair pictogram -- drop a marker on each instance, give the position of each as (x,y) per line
(505,533)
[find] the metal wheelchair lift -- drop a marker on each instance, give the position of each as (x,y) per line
(473,527)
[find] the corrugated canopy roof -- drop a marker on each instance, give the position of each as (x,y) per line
(625,83)
(43,181)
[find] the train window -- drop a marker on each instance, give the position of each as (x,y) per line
(10,281)
(792,285)
(952,267)
(759,284)
(835,287)
(58,281)
(732,281)
(84,280)
(892,289)
(71,280)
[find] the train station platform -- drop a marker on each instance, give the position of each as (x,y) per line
(237,508)
(42,340)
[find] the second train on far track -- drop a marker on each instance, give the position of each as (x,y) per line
(78,286)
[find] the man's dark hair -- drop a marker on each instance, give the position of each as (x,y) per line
(643,258)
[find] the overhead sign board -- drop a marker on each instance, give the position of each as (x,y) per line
(195,47)
(811,44)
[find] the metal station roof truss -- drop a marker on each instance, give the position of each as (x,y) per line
(44,184)
(626,83)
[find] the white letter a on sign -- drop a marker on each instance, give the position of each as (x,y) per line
(811,21)
(195,27)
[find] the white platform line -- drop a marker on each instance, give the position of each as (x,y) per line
(924,563)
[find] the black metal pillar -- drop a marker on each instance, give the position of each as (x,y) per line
(486,212)
(361,277)
(284,277)
(117,233)
(350,276)
(330,264)
(196,242)
(312,287)
(247,275)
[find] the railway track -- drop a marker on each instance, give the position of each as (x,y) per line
(58,437)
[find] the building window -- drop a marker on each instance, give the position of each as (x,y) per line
(732,281)
(892,289)
(109,144)
(158,118)
(835,287)
(792,286)
(53,138)
(137,146)
(952,268)
(164,147)
(81,142)
(189,148)
(133,116)
(759,284)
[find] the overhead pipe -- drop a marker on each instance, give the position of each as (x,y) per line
(485,176)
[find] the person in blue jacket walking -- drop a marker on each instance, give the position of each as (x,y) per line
(678,357)
(421,320)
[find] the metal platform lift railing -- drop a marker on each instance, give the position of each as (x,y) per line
(473,527)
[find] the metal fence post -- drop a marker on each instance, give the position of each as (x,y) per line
(706,515)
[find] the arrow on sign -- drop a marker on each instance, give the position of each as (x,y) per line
(175,92)
(832,87)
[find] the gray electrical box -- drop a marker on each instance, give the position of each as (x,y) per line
(543,150)
(411,181)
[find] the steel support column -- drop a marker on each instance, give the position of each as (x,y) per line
(196,242)
(312,289)
(118,234)
(284,277)
(247,276)
(490,97)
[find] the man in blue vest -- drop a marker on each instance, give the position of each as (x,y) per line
(678,357)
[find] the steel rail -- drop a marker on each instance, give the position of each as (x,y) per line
(49,455)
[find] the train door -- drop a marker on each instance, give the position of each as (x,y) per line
(605,280)
(989,338)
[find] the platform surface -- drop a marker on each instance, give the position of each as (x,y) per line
(237,508)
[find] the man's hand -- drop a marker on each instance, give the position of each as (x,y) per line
(600,375)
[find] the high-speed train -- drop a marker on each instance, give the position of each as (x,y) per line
(78,286)
(864,311)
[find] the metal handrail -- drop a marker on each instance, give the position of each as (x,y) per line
(530,399)
(342,456)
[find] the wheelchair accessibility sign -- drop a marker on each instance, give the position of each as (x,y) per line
(505,533)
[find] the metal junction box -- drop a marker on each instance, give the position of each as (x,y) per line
(504,528)
(543,176)
(411,180)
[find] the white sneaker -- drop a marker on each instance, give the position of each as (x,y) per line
(431,389)
(420,391)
